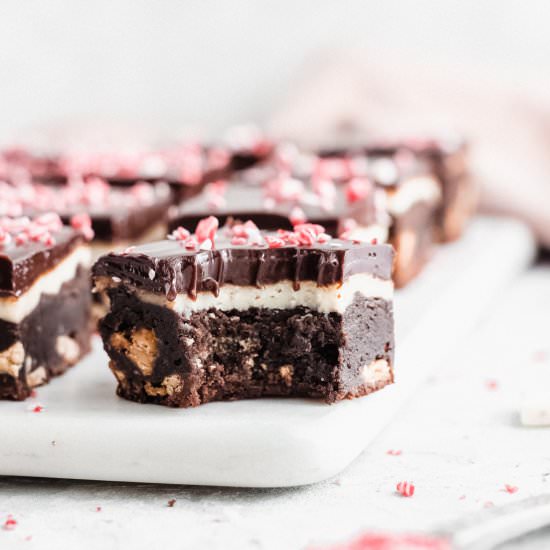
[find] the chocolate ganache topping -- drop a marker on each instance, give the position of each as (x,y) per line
(176,266)
(29,249)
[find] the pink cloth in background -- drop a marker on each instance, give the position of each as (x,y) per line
(506,123)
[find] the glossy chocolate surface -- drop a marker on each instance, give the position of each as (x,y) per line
(22,264)
(249,196)
(167,268)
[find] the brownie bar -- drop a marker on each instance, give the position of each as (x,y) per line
(186,167)
(119,216)
(411,198)
(289,189)
(459,188)
(44,302)
(448,162)
(242,313)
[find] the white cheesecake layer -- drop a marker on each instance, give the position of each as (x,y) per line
(282,295)
(411,192)
(14,310)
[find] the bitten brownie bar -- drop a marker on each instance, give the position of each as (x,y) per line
(44,301)
(242,313)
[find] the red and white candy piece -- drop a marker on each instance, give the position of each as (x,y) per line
(83,223)
(284,188)
(179,234)
(10,523)
(50,220)
(274,242)
(297,216)
(206,229)
(405,488)
(357,189)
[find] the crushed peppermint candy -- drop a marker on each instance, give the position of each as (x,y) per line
(239,241)
(392,541)
(297,216)
(274,242)
(179,234)
(357,189)
(511,489)
(284,188)
(326,192)
(405,488)
(191,244)
(22,230)
(394,452)
(10,523)
(248,234)
(206,229)
(83,223)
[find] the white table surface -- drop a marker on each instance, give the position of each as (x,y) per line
(461,441)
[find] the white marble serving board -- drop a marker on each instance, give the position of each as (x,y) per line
(86,432)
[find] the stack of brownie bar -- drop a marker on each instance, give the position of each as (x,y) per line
(284,288)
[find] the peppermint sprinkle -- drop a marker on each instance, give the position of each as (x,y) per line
(394,452)
(179,234)
(238,241)
(274,242)
(9,524)
(83,223)
(357,189)
(191,244)
(405,488)
(511,489)
(297,216)
(206,230)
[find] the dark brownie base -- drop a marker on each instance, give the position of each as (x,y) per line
(159,357)
(458,205)
(48,341)
(412,234)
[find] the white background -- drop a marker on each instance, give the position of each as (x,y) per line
(171,63)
